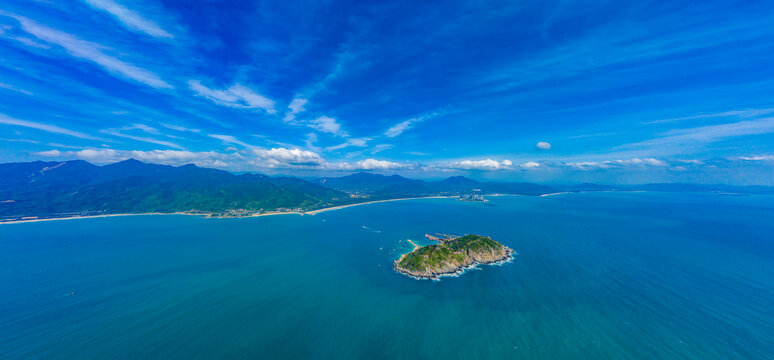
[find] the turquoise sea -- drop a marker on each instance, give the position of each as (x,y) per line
(597,276)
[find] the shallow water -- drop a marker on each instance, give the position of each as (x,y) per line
(597,275)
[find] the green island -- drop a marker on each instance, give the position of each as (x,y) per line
(450,256)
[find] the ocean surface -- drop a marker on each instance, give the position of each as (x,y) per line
(597,276)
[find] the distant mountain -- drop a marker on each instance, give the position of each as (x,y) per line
(381,186)
(457,184)
(59,189)
(678,187)
(590,187)
(376,185)
(131,186)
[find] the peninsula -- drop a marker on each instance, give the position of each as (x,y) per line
(450,256)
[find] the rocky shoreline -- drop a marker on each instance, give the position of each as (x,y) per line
(456,272)
(459,262)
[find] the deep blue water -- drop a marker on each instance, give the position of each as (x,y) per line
(598,276)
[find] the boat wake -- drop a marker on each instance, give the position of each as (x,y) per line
(366,228)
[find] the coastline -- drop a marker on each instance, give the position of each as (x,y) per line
(95,216)
(313,212)
(509,256)
(209,215)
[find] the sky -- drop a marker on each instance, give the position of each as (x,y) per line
(540,91)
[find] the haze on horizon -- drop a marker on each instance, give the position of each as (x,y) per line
(608,92)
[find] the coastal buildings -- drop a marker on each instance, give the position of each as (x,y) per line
(472,197)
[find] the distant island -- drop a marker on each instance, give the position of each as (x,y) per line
(450,256)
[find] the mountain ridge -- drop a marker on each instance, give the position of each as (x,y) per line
(77,187)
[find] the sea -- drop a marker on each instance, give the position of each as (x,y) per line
(605,275)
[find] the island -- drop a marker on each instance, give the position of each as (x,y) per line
(450,256)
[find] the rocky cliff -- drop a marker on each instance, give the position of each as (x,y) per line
(452,256)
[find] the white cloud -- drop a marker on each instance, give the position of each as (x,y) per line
(49,153)
(279,157)
(758,158)
(130,18)
(487,164)
(89,51)
(652,162)
(368,164)
(530,165)
(327,125)
(296,107)
(275,158)
(167,157)
(585,165)
(542,145)
(236,96)
(44,127)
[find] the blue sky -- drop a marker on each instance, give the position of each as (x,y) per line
(553,92)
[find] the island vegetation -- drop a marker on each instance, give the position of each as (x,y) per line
(451,255)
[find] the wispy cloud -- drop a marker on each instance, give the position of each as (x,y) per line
(228,139)
(14,88)
(130,18)
(89,51)
(142,127)
(236,96)
(735,113)
(359,142)
(21,140)
(116,132)
(381,147)
(4,119)
(402,126)
(707,134)
(179,128)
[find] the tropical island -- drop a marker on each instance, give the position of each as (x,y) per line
(451,256)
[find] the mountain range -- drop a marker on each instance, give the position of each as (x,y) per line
(73,188)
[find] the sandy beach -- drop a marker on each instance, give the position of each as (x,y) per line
(372,202)
(94,217)
(271,213)
(412,250)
